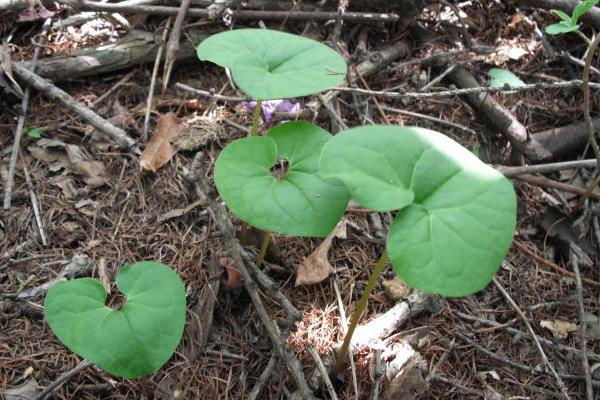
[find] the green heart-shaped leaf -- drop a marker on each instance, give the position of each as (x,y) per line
(561,27)
(299,202)
(269,64)
(458,214)
(133,341)
(500,77)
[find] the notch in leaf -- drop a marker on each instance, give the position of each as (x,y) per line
(273,181)
(268,64)
(133,341)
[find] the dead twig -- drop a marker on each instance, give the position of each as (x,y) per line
(321,367)
(54,93)
(583,328)
(517,332)
(173,44)
(36,209)
(512,172)
(61,380)
(10,177)
(545,182)
(161,47)
(545,360)
(378,373)
(263,379)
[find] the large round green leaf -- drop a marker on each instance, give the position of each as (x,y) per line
(269,64)
(300,203)
(457,214)
(130,342)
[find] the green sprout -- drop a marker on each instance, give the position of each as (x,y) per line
(570,23)
(133,341)
(35,133)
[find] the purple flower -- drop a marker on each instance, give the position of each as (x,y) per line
(271,106)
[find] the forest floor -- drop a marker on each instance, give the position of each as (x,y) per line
(96,207)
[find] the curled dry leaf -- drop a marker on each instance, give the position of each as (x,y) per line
(159,150)
(232,278)
(92,171)
(559,328)
(316,267)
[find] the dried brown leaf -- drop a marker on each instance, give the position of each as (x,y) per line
(559,328)
(316,267)
(159,151)
(92,171)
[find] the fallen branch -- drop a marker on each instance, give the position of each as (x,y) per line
(135,48)
(545,182)
(563,140)
(60,96)
(238,14)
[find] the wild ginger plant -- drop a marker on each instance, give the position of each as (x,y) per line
(273,182)
(456,215)
(132,341)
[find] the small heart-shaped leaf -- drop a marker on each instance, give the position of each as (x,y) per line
(133,341)
(500,77)
(458,214)
(273,181)
(269,64)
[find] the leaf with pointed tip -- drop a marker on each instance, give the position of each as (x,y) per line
(298,202)
(133,341)
(457,214)
(501,77)
(561,27)
(268,64)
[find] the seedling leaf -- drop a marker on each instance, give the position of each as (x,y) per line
(561,27)
(298,202)
(269,64)
(582,8)
(130,342)
(458,214)
(501,77)
(35,133)
(562,15)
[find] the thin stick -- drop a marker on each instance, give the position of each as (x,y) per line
(215,96)
(256,118)
(552,265)
(589,127)
(457,92)
(144,137)
(173,44)
(10,177)
(63,98)
(582,329)
(62,379)
(238,14)
(360,308)
(344,321)
(378,373)
(511,172)
(263,248)
(313,352)
(545,360)
(35,206)
(263,379)
(517,332)
(545,182)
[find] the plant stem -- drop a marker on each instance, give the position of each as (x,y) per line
(585,86)
(263,248)
(256,118)
(358,312)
